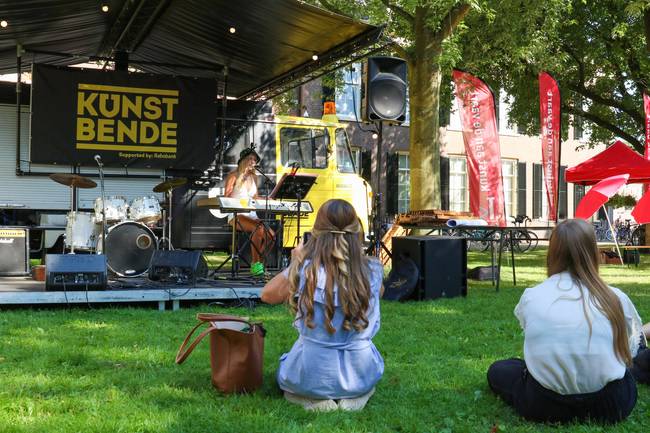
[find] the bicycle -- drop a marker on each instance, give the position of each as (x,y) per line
(603,233)
(522,239)
(624,231)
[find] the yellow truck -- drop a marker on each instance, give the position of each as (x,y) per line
(319,147)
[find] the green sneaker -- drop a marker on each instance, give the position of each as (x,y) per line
(257,269)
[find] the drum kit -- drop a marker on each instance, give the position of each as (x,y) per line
(130,238)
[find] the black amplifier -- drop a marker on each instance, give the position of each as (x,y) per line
(14,251)
(75,272)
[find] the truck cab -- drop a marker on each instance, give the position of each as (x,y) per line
(319,147)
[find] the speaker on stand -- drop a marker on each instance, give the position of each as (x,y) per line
(383,99)
(384,90)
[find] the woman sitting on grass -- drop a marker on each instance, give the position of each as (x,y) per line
(580,338)
(334,290)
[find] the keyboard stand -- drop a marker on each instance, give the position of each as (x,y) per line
(234,251)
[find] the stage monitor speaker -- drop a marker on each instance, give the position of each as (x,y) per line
(441,261)
(178,266)
(75,272)
(14,251)
(384,90)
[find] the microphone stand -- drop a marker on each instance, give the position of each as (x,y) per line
(266,221)
(299,196)
(101,184)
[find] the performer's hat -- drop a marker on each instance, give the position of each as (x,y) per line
(248,151)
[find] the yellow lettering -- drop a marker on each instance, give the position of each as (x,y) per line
(152,104)
(149,132)
(168,134)
(103,104)
(85,129)
(85,103)
(134,107)
(105,130)
(131,131)
(170,102)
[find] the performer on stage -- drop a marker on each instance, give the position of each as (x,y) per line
(242,183)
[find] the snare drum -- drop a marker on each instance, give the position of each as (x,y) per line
(80,231)
(145,210)
(116,209)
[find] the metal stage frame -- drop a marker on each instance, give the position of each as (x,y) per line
(26,291)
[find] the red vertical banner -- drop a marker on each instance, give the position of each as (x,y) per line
(478,117)
(549,119)
(646,106)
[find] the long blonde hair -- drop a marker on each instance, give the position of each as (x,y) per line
(242,175)
(335,246)
(572,248)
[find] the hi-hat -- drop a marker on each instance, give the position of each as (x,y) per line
(73,180)
(169,184)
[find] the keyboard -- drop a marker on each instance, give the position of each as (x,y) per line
(229,204)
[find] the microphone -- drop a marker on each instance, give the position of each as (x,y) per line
(98,159)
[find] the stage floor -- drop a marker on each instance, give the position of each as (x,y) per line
(26,291)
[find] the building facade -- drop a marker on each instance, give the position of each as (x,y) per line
(521,156)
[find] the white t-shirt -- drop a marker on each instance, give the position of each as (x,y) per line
(558,351)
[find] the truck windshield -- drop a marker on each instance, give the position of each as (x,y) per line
(343,155)
(305,146)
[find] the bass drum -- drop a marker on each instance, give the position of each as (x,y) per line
(130,246)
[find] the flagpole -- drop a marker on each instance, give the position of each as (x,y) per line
(614,234)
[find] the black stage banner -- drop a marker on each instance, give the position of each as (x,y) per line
(129,119)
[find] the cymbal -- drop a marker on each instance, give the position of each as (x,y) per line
(73,180)
(169,184)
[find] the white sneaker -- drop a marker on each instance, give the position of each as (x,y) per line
(311,404)
(355,404)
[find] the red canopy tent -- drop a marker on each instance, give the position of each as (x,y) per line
(616,159)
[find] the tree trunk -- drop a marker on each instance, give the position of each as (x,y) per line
(424,150)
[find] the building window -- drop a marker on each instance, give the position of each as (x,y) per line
(509,174)
(458,191)
(540,198)
(403,184)
(348,96)
(578,194)
(578,130)
(537,191)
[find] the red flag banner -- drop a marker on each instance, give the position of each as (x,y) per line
(646,105)
(549,118)
(478,117)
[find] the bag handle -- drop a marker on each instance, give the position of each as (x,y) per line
(212,317)
(183,353)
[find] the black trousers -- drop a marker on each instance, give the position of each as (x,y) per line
(510,380)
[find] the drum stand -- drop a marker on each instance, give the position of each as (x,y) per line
(167,223)
(72,216)
(101,187)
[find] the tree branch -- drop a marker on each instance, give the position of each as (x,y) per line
(579,62)
(606,125)
(581,89)
(400,12)
(330,7)
(450,21)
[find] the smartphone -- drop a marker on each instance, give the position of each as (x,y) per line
(305,237)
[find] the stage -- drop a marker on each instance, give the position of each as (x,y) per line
(26,291)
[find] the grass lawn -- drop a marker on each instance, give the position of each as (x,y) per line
(112,369)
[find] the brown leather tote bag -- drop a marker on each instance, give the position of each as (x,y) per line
(236,351)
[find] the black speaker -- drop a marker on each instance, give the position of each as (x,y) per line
(14,251)
(384,89)
(75,272)
(177,266)
(441,261)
